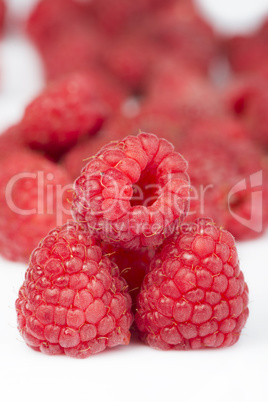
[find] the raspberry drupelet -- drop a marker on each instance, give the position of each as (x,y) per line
(73,300)
(195,295)
(133,193)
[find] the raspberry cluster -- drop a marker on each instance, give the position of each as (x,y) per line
(139,111)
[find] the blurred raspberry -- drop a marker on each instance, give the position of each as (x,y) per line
(133,193)
(195,295)
(115,16)
(67,110)
(185,94)
(33,199)
(73,50)
(2,15)
(247,98)
(129,58)
(249,53)
(11,140)
(73,300)
(49,18)
(181,31)
(216,167)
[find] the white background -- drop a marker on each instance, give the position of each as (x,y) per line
(136,372)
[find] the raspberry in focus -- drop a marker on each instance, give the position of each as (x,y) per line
(133,193)
(73,300)
(195,295)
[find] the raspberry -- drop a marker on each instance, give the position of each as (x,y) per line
(48,18)
(58,54)
(33,199)
(249,52)
(133,193)
(195,295)
(247,99)
(67,110)
(73,300)
(130,60)
(216,165)
(2,15)
(133,265)
(10,139)
(185,94)
(180,30)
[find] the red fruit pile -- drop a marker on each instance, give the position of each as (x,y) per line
(116,72)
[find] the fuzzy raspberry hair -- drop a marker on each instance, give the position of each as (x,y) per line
(133,192)
(195,295)
(73,300)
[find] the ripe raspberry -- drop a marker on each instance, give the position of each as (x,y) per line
(115,16)
(179,29)
(185,94)
(73,300)
(130,59)
(33,199)
(11,139)
(248,53)
(133,192)
(58,54)
(67,110)
(48,18)
(195,295)
(216,165)
(133,265)
(2,15)
(247,98)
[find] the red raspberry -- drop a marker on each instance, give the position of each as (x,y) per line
(10,139)
(133,192)
(48,18)
(58,54)
(2,15)
(180,30)
(216,165)
(185,94)
(249,52)
(247,98)
(195,295)
(67,110)
(33,199)
(133,265)
(115,16)
(73,300)
(130,60)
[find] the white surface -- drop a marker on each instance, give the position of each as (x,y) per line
(135,372)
